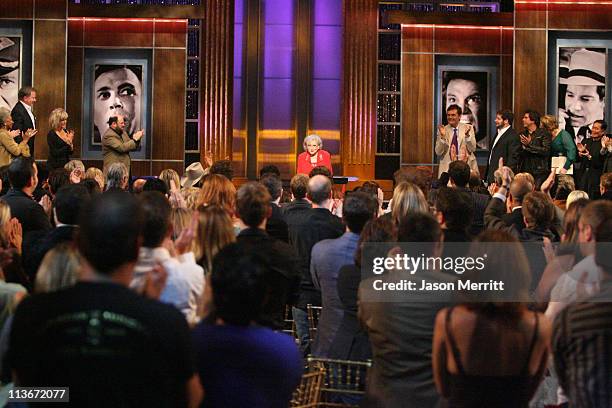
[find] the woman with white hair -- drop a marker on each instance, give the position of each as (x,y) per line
(313,155)
(59,140)
(8,147)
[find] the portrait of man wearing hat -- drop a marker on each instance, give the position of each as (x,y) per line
(585,92)
(9,71)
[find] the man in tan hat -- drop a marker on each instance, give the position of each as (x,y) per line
(584,97)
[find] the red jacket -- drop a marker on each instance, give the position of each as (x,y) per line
(304,166)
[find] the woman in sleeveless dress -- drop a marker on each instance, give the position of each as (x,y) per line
(491,351)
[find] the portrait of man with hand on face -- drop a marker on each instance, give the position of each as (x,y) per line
(117,91)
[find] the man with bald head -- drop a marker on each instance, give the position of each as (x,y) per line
(319,224)
(117,144)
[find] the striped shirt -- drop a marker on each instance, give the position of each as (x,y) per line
(582,343)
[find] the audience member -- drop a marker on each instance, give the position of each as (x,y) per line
(575,196)
(11,248)
(459,173)
(605,186)
(519,188)
(193,175)
(373,189)
(184,285)
(276,226)
(170,176)
(215,231)
(420,176)
(586,271)
(92,186)
(294,213)
(581,339)
(23,176)
(95,174)
(407,199)
(223,168)
(218,190)
(111,346)
(59,269)
(268,170)
(492,353)
(76,170)
(454,212)
(117,177)
(66,209)
(328,256)
(155,184)
(401,329)
(282,275)
(351,340)
(320,170)
(241,364)
(319,224)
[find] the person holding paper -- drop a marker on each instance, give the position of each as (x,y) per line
(562,148)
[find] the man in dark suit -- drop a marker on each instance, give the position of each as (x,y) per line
(506,145)
(296,211)
(23,176)
(519,188)
(459,173)
(23,116)
(319,224)
(276,226)
(282,276)
(66,208)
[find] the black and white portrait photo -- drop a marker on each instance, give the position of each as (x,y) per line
(581,89)
(117,90)
(468,90)
(117,82)
(10,70)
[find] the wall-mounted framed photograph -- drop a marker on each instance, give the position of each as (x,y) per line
(116,82)
(470,83)
(15,60)
(579,80)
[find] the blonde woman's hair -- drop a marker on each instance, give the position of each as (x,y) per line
(179,220)
(4,114)
(407,198)
(215,230)
(190,195)
(74,164)
(575,196)
(96,174)
(59,269)
(549,122)
(5,218)
(56,116)
(167,175)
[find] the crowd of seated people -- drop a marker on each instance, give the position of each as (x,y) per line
(174,290)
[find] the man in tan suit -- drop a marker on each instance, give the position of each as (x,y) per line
(455,141)
(117,144)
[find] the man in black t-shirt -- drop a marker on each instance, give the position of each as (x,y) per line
(109,345)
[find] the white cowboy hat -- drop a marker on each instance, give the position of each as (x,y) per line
(192,175)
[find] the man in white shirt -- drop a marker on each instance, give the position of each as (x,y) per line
(185,284)
(23,115)
(506,145)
